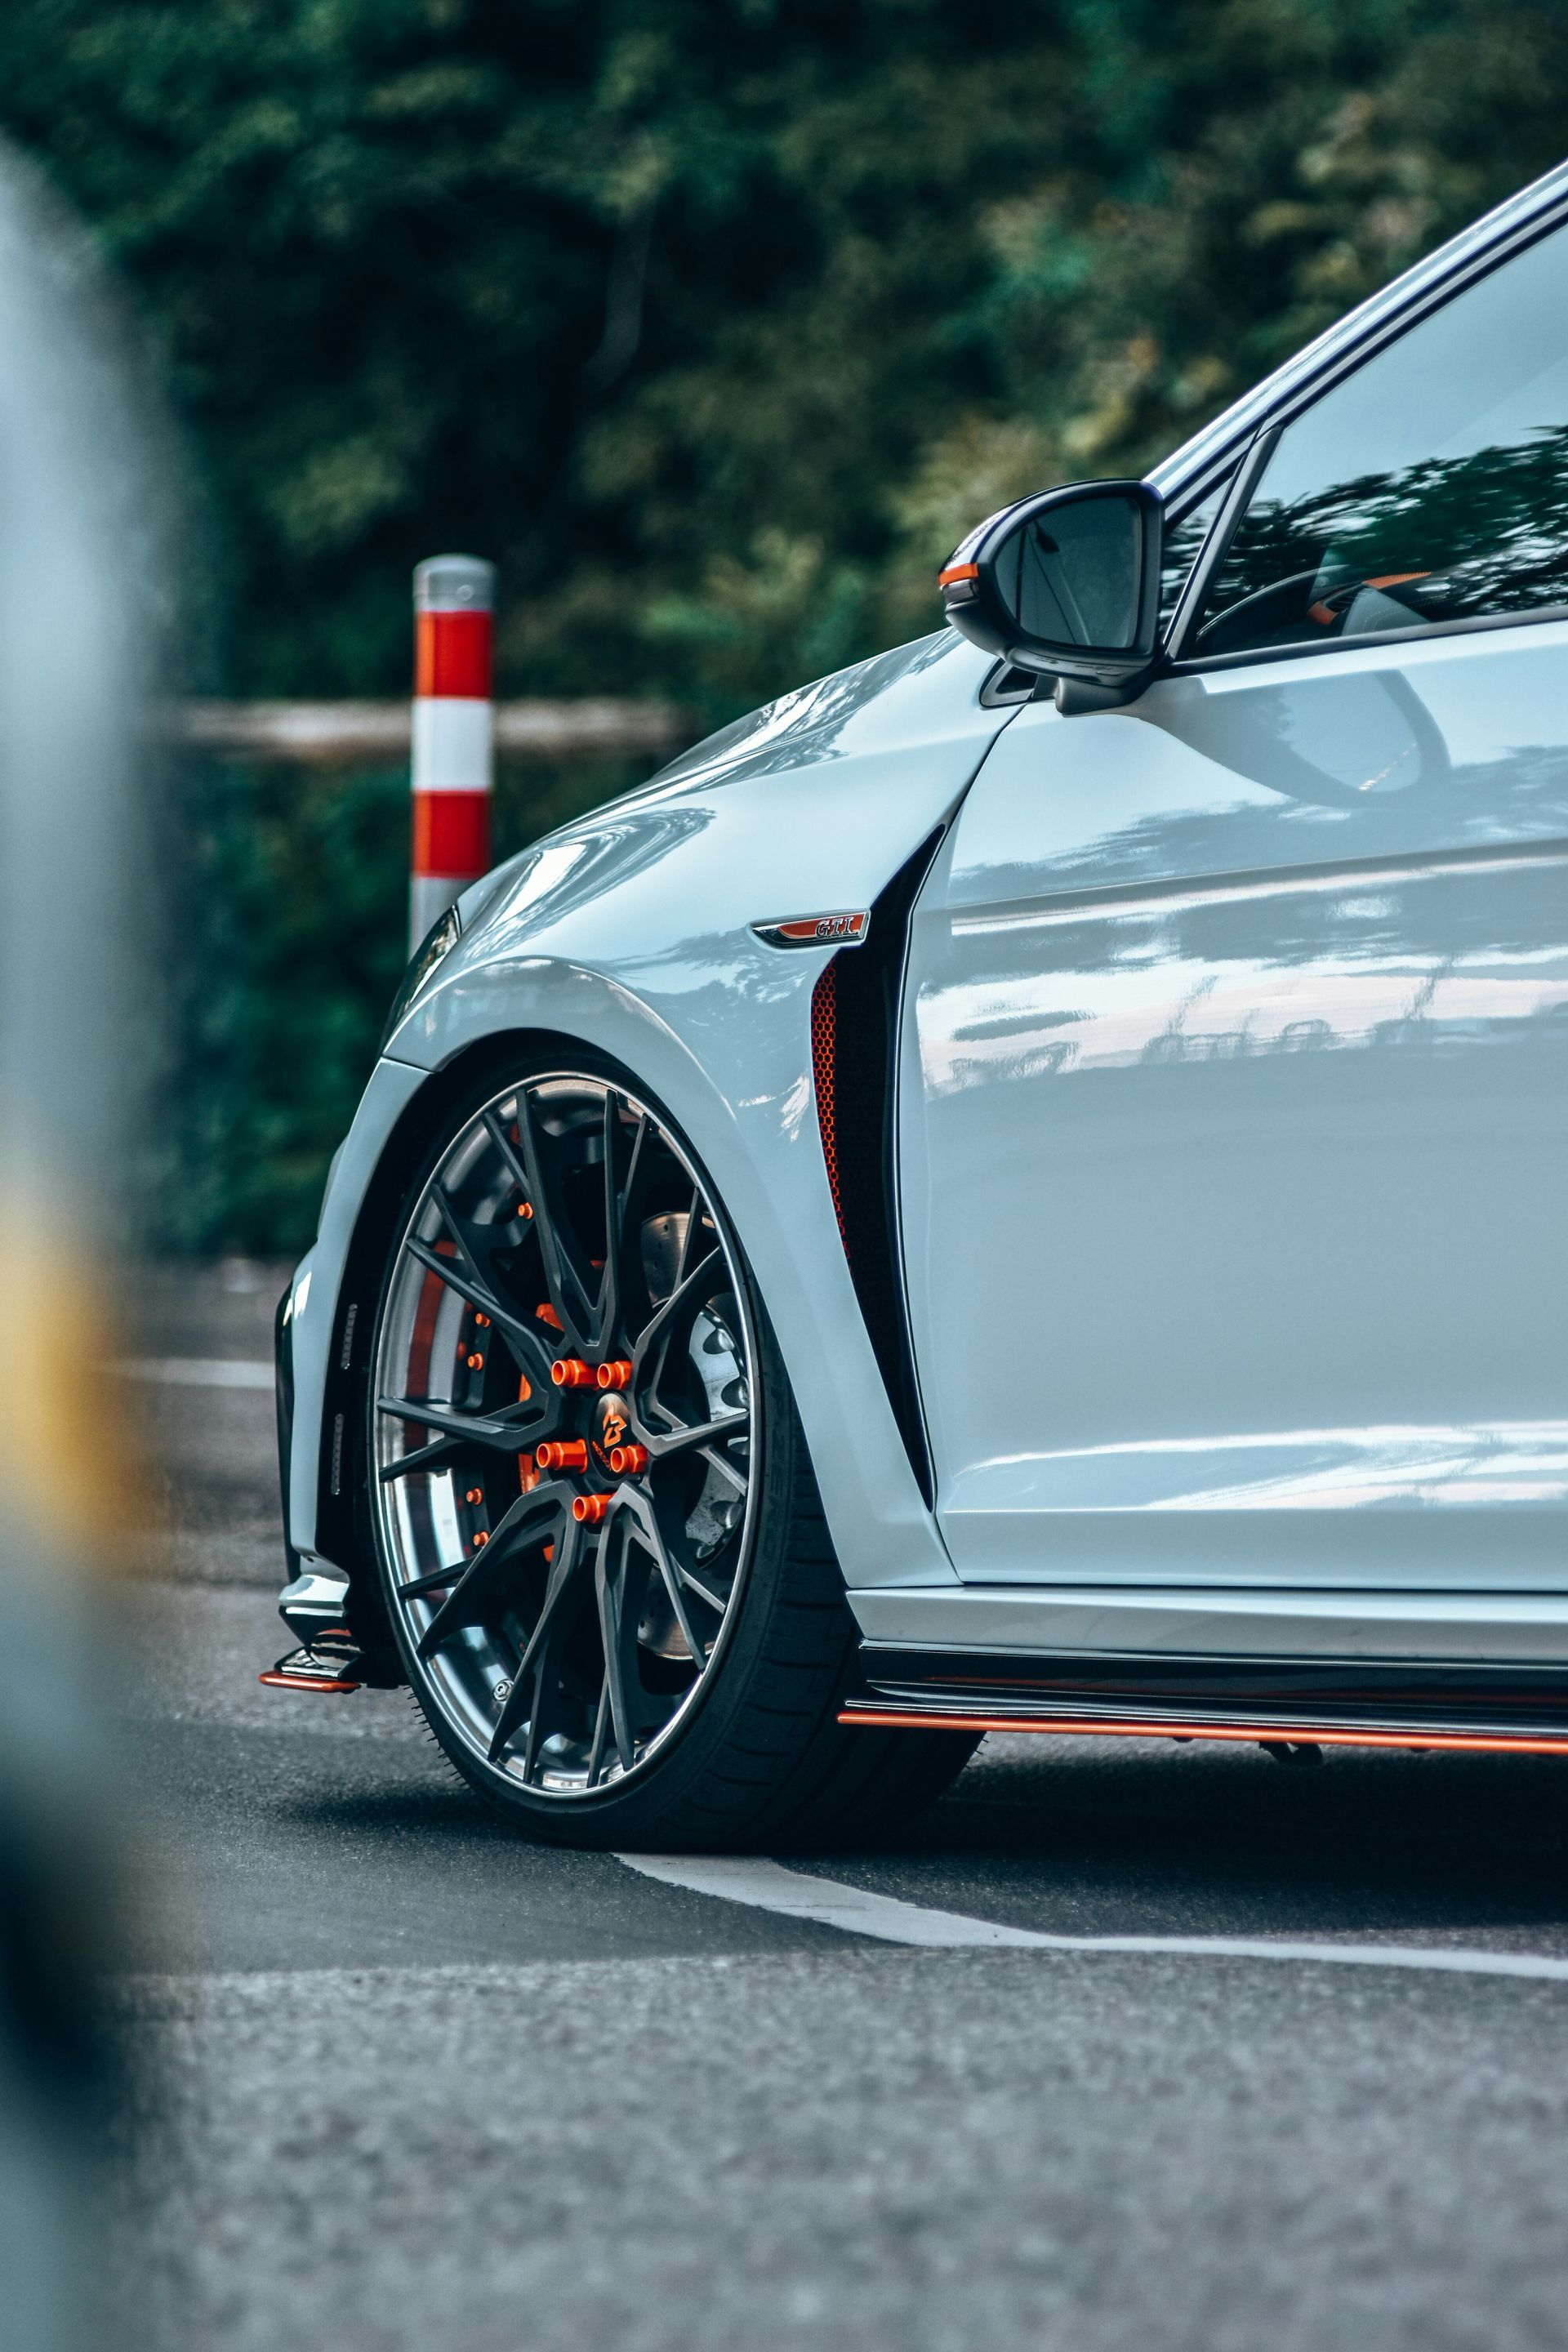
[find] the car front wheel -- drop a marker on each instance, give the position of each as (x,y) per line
(597,1529)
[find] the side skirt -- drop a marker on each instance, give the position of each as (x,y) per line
(1335,1702)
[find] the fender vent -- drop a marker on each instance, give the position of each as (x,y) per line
(855,1009)
(824,1045)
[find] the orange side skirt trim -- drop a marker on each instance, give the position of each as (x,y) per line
(1503,1742)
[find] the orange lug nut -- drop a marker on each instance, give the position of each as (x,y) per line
(475,1495)
(572,1372)
(561,1453)
(628,1461)
(614,1375)
(589,1510)
(524,1208)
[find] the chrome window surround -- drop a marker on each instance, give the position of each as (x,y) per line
(1250,429)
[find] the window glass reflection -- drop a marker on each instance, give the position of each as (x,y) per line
(1431,486)
(1183,540)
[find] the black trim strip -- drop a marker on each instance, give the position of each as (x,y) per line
(869,994)
(1249,471)
(1341,1694)
(1472,625)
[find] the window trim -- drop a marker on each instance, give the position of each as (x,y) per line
(1260,434)
(1248,656)
(1352,345)
(1246,476)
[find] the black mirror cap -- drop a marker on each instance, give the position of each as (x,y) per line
(975,601)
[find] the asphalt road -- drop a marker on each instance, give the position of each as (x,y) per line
(402,2080)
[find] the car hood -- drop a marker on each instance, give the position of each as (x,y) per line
(819,795)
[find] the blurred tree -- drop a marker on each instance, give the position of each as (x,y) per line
(714,322)
(300,887)
(717,320)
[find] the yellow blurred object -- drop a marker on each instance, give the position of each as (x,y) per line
(71,1469)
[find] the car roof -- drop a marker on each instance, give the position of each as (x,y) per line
(1487,241)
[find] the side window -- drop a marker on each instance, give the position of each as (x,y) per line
(1429,486)
(1183,538)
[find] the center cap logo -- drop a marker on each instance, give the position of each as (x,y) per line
(612,1423)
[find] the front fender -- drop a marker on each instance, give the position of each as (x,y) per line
(632,933)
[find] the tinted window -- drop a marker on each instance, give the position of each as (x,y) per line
(1183,540)
(1430,486)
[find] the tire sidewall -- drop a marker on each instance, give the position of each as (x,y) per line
(625,1811)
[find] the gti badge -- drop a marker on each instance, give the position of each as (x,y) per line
(817,931)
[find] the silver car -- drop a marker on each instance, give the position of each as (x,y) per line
(1022,1186)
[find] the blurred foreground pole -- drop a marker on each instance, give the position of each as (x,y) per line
(81,589)
(454,734)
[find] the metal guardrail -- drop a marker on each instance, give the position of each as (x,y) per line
(340,734)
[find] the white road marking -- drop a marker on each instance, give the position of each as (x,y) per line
(196,1371)
(739,1879)
(769,1886)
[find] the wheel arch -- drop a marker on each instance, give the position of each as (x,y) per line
(340,1529)
(776,1195)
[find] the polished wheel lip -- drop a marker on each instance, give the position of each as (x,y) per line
(579,1546)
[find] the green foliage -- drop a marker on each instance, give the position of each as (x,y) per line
(295,943)
(715,323)
(297,887)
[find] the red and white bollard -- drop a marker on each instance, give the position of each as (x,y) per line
(453,733)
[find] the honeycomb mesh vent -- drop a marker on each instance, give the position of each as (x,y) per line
(824,1047)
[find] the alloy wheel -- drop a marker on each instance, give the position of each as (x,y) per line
(564,1435)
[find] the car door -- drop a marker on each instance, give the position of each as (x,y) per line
(1234,1098)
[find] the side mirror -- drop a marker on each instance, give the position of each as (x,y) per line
(1066,582)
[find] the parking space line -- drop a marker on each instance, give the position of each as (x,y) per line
(795,1894)
(740,1879)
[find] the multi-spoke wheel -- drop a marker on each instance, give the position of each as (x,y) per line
(599,1541)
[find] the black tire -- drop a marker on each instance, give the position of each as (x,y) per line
(753,1754)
